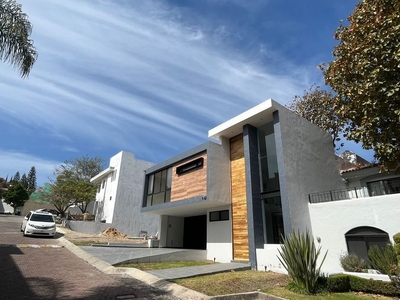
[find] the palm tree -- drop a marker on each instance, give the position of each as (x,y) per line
(15,46)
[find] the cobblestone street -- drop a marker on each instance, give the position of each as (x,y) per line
(39,268)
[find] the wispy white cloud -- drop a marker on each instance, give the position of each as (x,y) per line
(128,74)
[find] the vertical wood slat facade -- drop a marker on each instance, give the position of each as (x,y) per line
(190,184)
(239,206)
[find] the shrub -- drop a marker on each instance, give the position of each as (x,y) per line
(396,239)
(299,257)
(383,260)
(351,263)
(338,283)
(358,284)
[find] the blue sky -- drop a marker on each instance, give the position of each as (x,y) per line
(152,77)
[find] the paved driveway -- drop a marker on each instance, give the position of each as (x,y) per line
(38,268)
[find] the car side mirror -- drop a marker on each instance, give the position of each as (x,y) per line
(25,218)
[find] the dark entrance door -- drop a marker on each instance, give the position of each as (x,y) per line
(195,232)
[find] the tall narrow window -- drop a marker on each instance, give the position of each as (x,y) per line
(269,174)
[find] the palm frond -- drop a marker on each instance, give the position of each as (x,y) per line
(15,46)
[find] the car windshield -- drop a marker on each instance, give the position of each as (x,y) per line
(42,218)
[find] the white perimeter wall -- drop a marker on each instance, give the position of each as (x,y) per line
(6,208)
(332,220)
(219,237)
(267,259)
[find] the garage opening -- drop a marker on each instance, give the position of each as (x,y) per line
(359,240)
(195,232)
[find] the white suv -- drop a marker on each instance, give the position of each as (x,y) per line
(39,223)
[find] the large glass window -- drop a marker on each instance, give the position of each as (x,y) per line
(273,220)
(384,187)
(159,187)
(269,174)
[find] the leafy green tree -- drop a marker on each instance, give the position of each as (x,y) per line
(16,195)
(15,46)
(84,193)
(24,181)
(365,74)
(56,193)
(73,181)
(319,107)
(32,180)
(81,169)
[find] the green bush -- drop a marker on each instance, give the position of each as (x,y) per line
(299,256)
(338,283)
(383,260)
(358,284)
(396,239)
(351,263)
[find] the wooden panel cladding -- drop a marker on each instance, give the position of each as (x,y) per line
(239,205)
(192,183)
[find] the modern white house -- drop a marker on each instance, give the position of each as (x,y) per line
(119,197)
(236,196)
(263,174)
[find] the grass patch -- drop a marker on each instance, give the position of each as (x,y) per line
(267,282)
(165,265)
(234,282)
(87,243)
(286,294)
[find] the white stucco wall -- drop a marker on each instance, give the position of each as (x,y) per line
(307,164)
(219,237)
(6,208)
(332,220)
(267,259)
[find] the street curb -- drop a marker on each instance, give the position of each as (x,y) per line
(172,288)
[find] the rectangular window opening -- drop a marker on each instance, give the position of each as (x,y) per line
(221,215)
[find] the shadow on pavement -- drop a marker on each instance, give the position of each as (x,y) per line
(15,286)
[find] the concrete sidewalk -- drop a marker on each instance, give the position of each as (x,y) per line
(185,272)
(116,255)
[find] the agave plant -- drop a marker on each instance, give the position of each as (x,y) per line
(299,257)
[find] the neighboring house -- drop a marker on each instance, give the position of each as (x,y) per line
(364,213)
(119,197)
(235,198)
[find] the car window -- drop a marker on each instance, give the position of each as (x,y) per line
(42,218)
(28,215)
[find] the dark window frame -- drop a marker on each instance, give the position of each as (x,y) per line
(220,215)
(192,165)
(165,189)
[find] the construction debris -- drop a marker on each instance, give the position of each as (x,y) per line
(112,232)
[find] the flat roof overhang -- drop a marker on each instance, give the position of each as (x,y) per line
(183,208)
(256,116)
(99,177)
